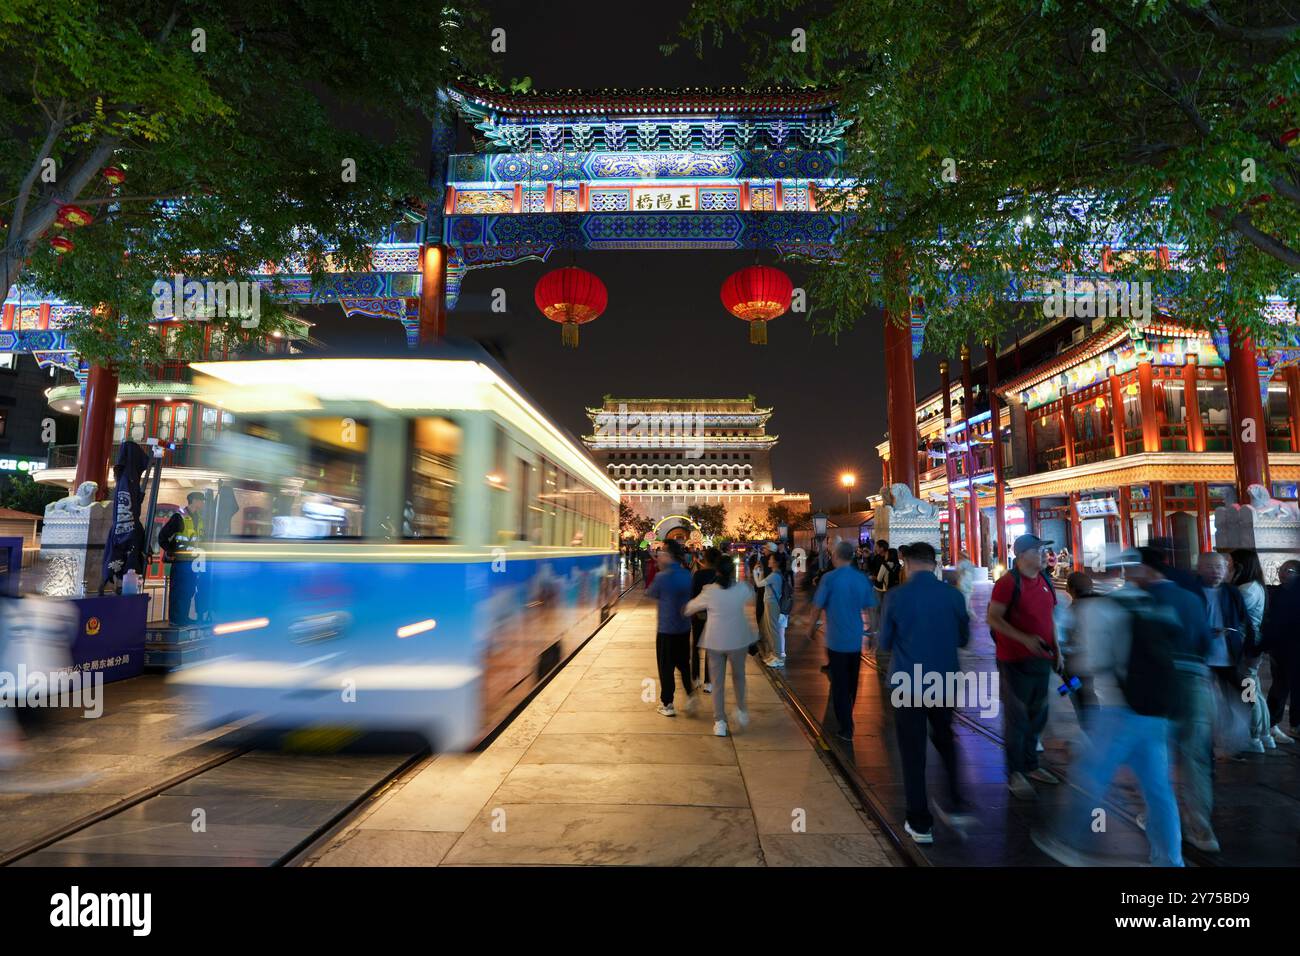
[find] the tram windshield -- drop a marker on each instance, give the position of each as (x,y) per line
(299,478)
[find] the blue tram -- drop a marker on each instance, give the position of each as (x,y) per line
(402,544)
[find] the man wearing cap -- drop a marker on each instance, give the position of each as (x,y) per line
(1021,618)
(925,621)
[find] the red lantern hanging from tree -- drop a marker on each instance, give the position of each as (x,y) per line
(757,294)
(115,175)
(73,216)
(61,245)
(572,297)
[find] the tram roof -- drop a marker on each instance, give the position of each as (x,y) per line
(447,376)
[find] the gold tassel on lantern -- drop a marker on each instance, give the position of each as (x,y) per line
(758,332)
(569,335)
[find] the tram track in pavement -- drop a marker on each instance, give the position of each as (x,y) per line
(227,785)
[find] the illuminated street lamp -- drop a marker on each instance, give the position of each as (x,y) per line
(819,524)
(848,480)
(783,534)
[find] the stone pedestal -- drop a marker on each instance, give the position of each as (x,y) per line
(72,545)
(1271,529)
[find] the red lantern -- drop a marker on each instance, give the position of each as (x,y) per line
(115,175)
(73,216)
(757,294)
(61,244)
(570,296)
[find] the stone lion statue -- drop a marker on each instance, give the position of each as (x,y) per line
(906,503)
(1265,504)
(73,504)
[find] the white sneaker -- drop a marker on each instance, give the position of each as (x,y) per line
(719,728)
(1280,736)
(692,704)
(708,688)
(1268,742)
(1255,747)
(777,662)
(742,717)
(667,710)
(927,837)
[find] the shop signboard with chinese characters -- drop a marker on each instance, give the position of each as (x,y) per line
(1097,508)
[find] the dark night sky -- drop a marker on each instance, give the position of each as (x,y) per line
(665,332)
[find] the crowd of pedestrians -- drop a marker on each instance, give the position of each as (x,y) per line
(704,627)
(1163,667)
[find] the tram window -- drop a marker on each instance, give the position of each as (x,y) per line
(522,484)
(302,479)
(431,479)
(547,494)
(498,481)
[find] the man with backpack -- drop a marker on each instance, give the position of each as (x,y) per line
(1129,640)
(1020,617)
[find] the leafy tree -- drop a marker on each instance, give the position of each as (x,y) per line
(781,511)
(748,527)
(632,520)
(21,493)
(1006,140)
(234,123)
(712,519)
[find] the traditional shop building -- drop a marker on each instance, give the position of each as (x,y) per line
(667,454)
(1106,434)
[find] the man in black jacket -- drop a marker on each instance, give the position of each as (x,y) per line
(1281,638)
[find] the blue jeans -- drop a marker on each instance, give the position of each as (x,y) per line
(1120,737)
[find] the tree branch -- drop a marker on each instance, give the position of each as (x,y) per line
(1270,34)
(1269,245)
(25,191)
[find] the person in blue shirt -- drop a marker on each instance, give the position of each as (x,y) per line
(671,587)
(925,621)
(842,596)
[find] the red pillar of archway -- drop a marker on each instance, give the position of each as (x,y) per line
(900,380)
(1246,408)
(954,526)
(974,540)
(433,292)
(995,416)
(95,443)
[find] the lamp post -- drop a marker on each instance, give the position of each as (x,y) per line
(819,533)
(783,534)
(848,480)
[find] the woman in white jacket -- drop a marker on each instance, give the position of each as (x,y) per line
(726,638)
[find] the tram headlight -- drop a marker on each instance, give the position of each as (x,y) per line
(419,627)
(235,627)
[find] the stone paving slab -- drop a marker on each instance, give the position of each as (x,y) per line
(590,774)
